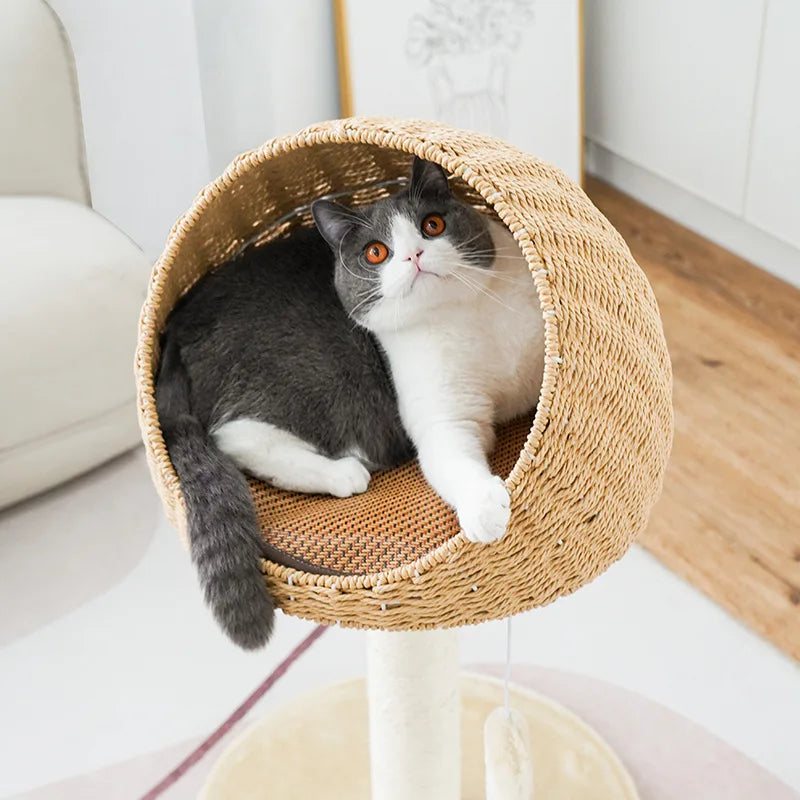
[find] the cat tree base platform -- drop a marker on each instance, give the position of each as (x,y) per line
(318,746)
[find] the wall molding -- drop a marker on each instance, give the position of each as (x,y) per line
(722,227)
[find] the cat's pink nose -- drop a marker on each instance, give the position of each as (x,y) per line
(415,259)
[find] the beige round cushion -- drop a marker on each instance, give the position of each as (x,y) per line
(318,746)
(73,285)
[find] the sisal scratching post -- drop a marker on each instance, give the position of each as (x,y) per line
(414,715)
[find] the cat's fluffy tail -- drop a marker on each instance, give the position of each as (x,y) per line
(223,530)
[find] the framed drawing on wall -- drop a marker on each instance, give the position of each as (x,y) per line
(510,68)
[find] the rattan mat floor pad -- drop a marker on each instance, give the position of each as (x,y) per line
(397,520)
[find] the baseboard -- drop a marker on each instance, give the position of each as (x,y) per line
(726,229)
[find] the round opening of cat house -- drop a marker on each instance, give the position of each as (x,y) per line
(582,471)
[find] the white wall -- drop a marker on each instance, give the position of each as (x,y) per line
(172,91)
(691,106)
(141,104)
(266,69)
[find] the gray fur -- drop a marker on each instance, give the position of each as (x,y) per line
(222,525)
(269,336)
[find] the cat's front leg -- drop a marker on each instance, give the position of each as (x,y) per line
(452,455)
(484,514)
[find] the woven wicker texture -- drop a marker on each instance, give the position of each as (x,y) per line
(589,468)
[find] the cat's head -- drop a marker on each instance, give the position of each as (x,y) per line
(400,258)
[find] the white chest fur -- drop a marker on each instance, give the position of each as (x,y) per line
(478,357)
(463,365)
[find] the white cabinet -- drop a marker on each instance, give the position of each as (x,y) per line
(773,197)
(693,107)
(670,86)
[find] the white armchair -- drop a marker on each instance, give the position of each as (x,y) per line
(71,284)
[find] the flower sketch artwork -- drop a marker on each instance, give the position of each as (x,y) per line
(466,47)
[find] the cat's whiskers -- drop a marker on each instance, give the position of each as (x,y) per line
(415,192)
(477,287)
(480,232)
(466,264)
(494,275)
(339,254)
(468,283)
(364,278)
(355,219)
(493,254)
(370,295)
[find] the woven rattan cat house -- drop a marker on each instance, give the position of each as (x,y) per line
(583,472)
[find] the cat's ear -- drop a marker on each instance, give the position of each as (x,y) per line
(333,220)
(429,178)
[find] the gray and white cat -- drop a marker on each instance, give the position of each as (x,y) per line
(309,365)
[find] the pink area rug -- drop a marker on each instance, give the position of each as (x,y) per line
(669,757)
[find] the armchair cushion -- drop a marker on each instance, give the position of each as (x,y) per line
(72,287)
(41,137)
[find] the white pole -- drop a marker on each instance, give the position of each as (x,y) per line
(414,715)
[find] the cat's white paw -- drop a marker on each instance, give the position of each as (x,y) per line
(484,515)
(348,477)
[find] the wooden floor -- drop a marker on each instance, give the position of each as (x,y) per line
(729,517)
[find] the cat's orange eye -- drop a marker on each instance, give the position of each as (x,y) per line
(433,225)
(376,252)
